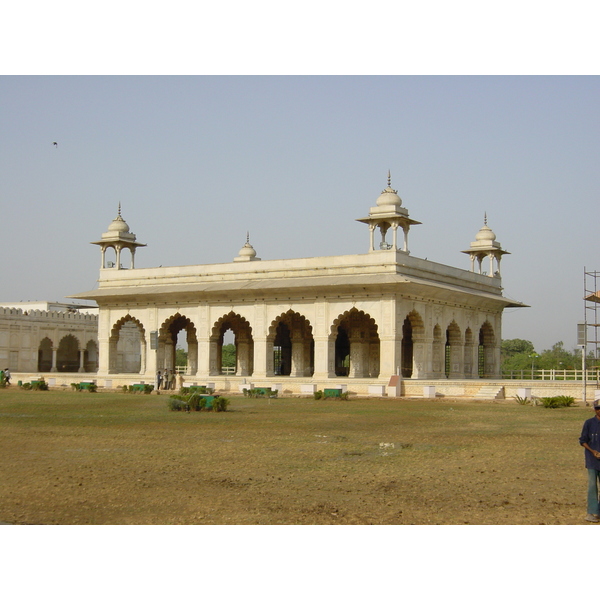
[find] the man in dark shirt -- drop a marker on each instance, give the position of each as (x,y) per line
(590,440)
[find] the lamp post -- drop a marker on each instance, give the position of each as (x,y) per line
(583,376)
(533,356)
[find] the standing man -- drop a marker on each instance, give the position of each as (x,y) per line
(590,440)
(158,379)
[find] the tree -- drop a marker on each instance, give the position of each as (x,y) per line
(516,354)
(517,346)
(228,355)
(559,358)
(520,355)
(181,357)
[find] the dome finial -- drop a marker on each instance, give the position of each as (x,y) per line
(485,218)
(119,211)
(247,237)
(389,179)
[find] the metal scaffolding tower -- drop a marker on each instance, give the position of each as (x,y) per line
(591,303)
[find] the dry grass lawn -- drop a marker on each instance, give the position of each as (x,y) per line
(107,458)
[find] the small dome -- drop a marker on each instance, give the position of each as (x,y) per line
(247,250)
(118,224)
(389,197)
(485,234)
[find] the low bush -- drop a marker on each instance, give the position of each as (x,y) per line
(557,401)
(520,400)
(175,404)
(260,392)
(196,401)
(35,385)
(320,395)
(220,404)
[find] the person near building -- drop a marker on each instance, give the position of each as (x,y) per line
(7,376)
(158,379)
(590,440)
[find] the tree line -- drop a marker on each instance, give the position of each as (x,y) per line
(516,355)
(520,355)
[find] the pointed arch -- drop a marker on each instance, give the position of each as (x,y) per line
(91,357)
(167,343)
(437,351)
(127,346)
(486,350)
(357,345)
(244,344)
(453,351)
(412,330)
(290,342)
(67,356)
(45,355)
(469,347)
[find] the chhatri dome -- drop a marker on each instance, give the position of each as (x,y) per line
(388,214)
(485,233)
(247,252)
(389,196)
(118,223)
(118,237)
(486,246)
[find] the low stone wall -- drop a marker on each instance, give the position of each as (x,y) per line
(443,388)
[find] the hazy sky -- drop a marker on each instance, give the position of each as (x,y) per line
(198,161)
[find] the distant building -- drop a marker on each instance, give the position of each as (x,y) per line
(355,319)
(38,337)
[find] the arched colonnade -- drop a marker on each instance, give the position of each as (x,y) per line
(70,355)
(352,348)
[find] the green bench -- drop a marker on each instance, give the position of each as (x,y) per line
(201,389)
(332,392)
(264,391)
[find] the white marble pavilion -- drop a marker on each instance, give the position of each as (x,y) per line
(355,320)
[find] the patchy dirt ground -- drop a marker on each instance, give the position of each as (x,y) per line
(79,458)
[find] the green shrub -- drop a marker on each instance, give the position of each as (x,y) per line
(520,400)
(175,404)
(318,395)
(39,385)
(75,387)
(92,388)
(557,401)
(26,386)
(196,401)
(147,388)
(220,404)
(566,400)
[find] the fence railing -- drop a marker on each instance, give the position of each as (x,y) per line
(553,375)
(224,370)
